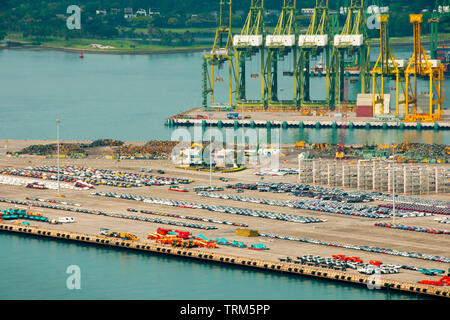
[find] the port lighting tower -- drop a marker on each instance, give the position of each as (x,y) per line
(57,138)
(418,66)
(279,45)
(247,44)
(317,39)
(385,66)
(352,41)
(221,52)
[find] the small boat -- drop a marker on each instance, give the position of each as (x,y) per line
(177,188)
(81,55)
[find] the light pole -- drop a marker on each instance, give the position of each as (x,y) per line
(57,138)
(393,183)
(210,152)
(281,119)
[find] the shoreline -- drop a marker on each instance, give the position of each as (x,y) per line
(226,259)
(373,43)
(97,51)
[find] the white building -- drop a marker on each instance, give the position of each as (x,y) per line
(141,12)
(188,156)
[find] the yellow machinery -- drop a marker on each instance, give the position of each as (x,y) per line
(421,66)
(385,66)
(222,52)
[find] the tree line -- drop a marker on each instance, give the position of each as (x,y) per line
(42,19)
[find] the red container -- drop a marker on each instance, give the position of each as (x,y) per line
(364,111)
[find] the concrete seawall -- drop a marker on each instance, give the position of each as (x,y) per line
(309,124)
(212,256)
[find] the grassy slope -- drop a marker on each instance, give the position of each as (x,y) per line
(127,45)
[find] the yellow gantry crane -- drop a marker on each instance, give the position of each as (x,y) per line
(279,45)
(317,39)
(385,66)
(247,44)
(353,41)
(221,52)
(421,66)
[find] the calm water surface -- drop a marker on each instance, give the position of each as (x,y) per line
(34,268)
(128,97)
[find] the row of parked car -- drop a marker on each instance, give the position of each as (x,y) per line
(94,176)
(445,210)
(109,214)
(394,252)
(338,264)
(215,208)
(443,220)
(350,209)
(305,190)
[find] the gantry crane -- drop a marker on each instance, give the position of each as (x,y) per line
(386,66)
(419,66)
(353,40)
(316,40)
(221,52)
(279,45)
(247,44)
(439,12)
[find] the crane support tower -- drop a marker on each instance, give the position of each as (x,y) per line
(247,45)
(279,45)
(420,66)
(221,53)
(386,66)
(440,12)
(353,41)
(317,40)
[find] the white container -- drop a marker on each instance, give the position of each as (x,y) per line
(284,41)
(350,40)
(386,105)
(401,63)
(247,41)
(318,40)
(356,40)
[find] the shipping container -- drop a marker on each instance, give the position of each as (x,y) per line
(364,111)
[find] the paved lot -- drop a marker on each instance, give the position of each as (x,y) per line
(338,228)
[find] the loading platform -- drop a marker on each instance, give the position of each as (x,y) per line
(214,257)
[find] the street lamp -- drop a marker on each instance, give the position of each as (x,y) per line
(393,183)
(281,119)
(57,137)
(210,151)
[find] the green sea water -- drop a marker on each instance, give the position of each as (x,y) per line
(129,97)
(36,268)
